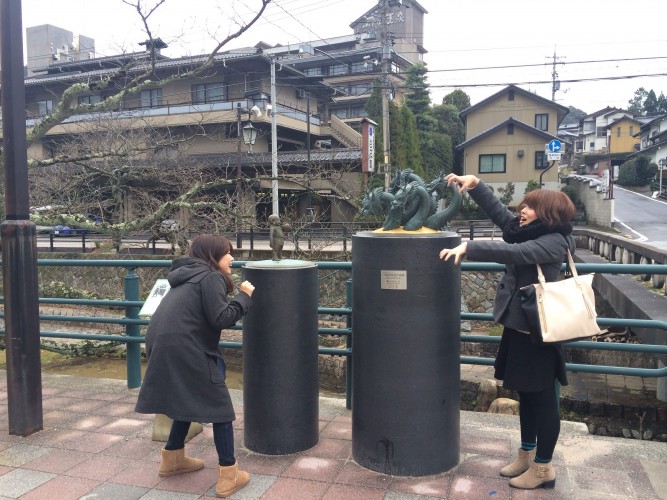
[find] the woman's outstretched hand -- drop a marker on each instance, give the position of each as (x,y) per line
(464,181)
(458,252)
(247,288)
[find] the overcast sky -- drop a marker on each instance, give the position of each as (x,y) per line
(588,37)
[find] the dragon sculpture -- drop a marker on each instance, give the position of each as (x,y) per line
(412,204)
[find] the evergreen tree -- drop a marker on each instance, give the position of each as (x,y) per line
(662,104)
(650,104)
(438,154)
(647,103)
(636,104)
(403,135)
(411,142)
(457,98)
(418,99)
(449,124)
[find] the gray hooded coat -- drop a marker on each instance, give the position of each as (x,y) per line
(183,380)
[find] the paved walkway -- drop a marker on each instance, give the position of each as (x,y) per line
(94,446)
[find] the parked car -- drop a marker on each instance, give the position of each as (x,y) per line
(61,230)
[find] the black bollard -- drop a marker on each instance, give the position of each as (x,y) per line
(406,313)
(280,358)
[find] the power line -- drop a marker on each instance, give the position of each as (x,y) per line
(509,66)
(541,82)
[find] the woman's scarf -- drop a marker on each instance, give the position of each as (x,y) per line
(514,233)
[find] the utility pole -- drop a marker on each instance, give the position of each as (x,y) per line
(386,92)
(274,141)
(239,196)
(555,84)
(308,195)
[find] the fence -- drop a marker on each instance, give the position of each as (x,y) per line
(303,235)
(132,323)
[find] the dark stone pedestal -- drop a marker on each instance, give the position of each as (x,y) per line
(406,344)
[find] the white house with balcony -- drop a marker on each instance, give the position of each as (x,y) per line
(653,139)
(594,127)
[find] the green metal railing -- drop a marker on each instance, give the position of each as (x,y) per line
(133,323)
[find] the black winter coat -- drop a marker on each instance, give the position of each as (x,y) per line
(183,380)
(522,365)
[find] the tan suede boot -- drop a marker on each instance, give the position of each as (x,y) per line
(538,476)
(175,462)
(230,480)
(520,465)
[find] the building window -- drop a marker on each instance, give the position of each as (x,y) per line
(151,98)
(491,164)
(541,161)
(601,132)
(359,89)
(591,145)
(394,68)
(341,113)
(44,107)
(510,129)
(90,99)
(338,69)
(316,71)
(632,130)
(361,67)
(358,111)
(618,131)
(579,145)
(542,121)
(510,95)
(208,92)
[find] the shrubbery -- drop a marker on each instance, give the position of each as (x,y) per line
(572,194)
(58,289)
(637,172)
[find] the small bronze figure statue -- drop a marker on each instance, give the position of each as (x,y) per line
(277,236)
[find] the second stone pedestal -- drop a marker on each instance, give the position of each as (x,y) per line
(280,358)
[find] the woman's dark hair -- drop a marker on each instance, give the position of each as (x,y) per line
(554,208)
(211,248)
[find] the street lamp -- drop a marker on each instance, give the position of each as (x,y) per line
(249,135)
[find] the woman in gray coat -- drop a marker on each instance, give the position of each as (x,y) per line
(185,376)
(541,234)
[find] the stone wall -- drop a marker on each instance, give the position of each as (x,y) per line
(593,194)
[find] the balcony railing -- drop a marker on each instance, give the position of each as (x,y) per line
(137,111)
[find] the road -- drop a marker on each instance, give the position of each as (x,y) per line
(640,217)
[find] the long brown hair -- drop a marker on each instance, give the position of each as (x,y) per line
(554,208)
(211,248)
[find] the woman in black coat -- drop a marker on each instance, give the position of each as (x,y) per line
(185,376)
(541,234)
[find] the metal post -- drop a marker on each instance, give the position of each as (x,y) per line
(386,93)
(239,197)
(308,194)
(274,141)
(348,346)
(133,348)
(19,239)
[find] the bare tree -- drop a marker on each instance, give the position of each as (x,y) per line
(134,173)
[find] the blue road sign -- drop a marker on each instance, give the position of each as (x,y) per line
(554,146)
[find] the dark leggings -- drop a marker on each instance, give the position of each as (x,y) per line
(223,437)
(539,415)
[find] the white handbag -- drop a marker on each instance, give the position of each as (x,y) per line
(559,311)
